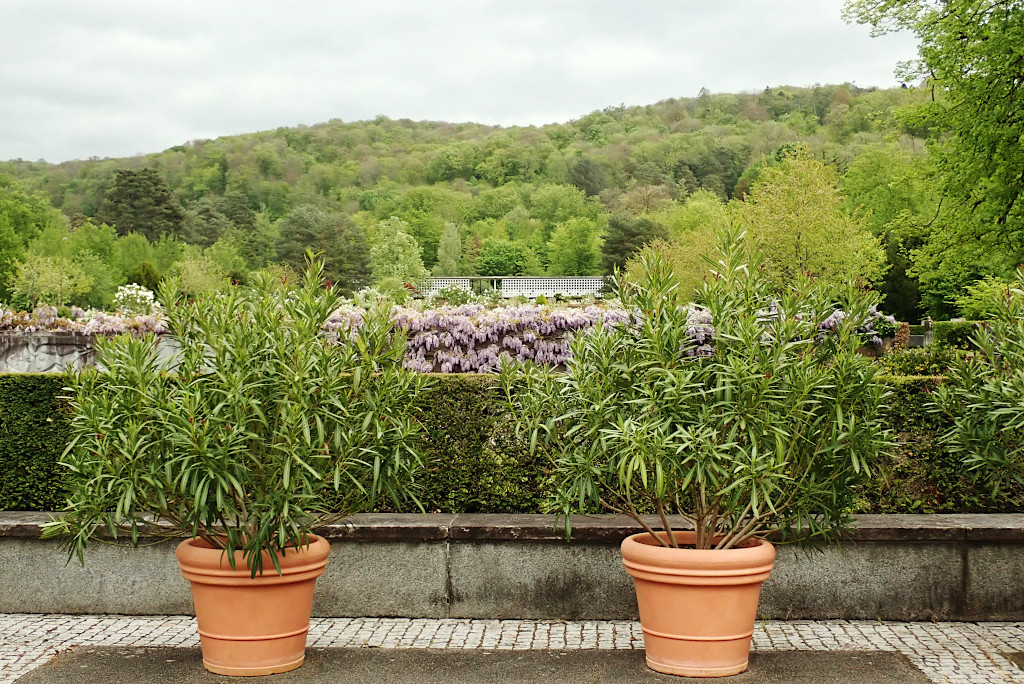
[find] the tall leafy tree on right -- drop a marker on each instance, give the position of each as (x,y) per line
(971,57)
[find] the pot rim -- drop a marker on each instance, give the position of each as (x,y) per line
(197,557)
(639,548)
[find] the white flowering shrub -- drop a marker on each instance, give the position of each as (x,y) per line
(135,300)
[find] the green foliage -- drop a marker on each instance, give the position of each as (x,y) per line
(588,176)
(394,253)
(893,189)
(49,280)
(197,275)
(971,53)
(140,202)
(766,431)
(985,398)
(504,258)
(933,360)
(884,327)
(686,257)
(473,461)
(956,334)
(575,248)
(340,242)
(971,59)
(794,214)
(921,474)
(449,252)
(981,299)
(23,217)
(625,236)
(33,434)
(258,421)
(702,211)
(144,274)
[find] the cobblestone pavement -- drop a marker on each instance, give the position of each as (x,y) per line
(953,652)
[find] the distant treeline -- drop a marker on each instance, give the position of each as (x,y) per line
(388,201)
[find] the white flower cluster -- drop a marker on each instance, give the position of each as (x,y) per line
(135,300)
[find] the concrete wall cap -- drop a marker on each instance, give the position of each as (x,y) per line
(598,529)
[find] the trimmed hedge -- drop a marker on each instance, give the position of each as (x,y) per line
(950,333)
(920,475)
(955,333)
(33,435)
(475,463)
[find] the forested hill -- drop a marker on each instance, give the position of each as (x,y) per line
(677,145)
(520,199)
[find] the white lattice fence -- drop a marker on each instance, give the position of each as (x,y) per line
(523,286)
(549,287)
(437,284)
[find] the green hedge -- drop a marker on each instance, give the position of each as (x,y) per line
(920,475)
(955,333)
(33,434)
(475,464)
(950,333)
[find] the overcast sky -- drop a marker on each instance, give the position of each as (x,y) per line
(117,78)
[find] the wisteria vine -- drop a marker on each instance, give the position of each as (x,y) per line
(471,338)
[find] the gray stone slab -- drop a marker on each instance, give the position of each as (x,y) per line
(425,666)
(389,527)
(553,580)
(115,579)
(384,579)
(866,580)
(995,576)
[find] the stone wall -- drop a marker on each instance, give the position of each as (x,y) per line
(54,351)
(44,352)
(899,567)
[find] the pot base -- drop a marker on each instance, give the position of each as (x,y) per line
(254,671)
(665,668)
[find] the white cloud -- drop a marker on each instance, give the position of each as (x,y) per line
(114,78)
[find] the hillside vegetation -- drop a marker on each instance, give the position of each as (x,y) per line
(832,180)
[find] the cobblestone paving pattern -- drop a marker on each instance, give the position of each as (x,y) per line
(947,652)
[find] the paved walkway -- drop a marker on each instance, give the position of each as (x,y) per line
(953,652)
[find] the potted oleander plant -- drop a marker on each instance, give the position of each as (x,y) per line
(748,414)
(258,427)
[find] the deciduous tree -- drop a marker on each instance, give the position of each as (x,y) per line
(395,254)
(575,248)
(971,55)
(794,214)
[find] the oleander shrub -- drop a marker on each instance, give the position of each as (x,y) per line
(985,398)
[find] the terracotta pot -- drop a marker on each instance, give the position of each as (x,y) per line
(697,608)
(252,626)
